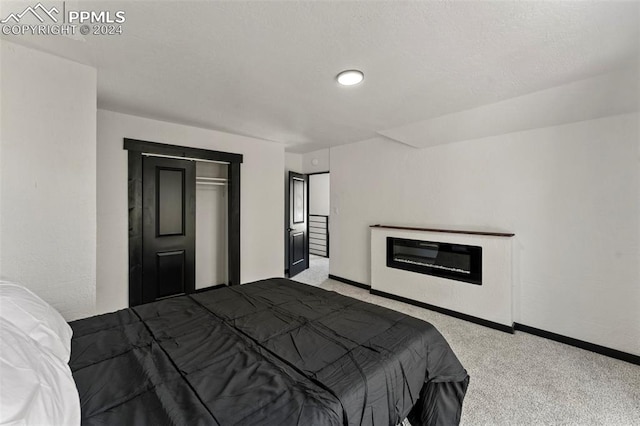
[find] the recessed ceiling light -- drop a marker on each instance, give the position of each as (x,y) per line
(350,77)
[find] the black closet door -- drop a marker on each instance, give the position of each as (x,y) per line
(168,227)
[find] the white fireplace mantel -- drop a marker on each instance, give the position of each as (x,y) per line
(491,301)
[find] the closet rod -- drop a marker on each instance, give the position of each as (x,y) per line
(217,179)
(148,154)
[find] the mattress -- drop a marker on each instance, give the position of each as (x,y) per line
(273,352)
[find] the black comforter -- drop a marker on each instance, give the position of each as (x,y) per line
(274,352)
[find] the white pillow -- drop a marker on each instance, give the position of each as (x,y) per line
(35,318)
(36,387)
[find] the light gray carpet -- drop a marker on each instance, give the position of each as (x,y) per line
(522,379)
(317,273)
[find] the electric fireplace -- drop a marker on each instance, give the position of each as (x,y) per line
(452,261)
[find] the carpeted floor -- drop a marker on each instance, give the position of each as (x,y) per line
(317,273)
(522,379)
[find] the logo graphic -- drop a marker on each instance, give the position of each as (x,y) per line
(73,23)
(34,11)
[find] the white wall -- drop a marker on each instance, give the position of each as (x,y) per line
(319,194)
(262,203)
(48,178)
(570,193)
(292,162)
(316,161)
(310,162)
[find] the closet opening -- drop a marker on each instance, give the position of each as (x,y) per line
(318,220)
(211,224)
(184,220)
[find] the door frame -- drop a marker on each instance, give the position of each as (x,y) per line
(136,149)
(305,179)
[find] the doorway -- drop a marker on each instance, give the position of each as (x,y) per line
(297,231)
(318,217)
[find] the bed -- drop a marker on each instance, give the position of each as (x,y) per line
(273,352)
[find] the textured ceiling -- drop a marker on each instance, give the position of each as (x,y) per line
(266,68)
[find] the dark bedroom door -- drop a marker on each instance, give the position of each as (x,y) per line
(168,227)
(298,243)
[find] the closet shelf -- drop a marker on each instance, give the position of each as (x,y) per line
(212,183)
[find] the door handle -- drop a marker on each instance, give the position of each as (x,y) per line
(289,229)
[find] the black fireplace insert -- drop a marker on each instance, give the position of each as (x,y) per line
(453,261)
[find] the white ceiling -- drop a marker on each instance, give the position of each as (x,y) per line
(267,68)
